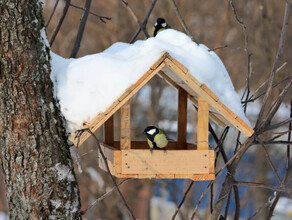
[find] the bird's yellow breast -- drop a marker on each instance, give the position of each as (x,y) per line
(160,140)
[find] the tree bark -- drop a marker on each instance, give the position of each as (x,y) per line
(39,178)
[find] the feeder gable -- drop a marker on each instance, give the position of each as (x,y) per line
(188,86)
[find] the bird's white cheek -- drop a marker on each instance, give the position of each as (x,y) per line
(151,132)
(164,25)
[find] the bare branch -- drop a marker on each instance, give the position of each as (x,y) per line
(248,54)
(183,199)
(266,81)
(251,99)
(107,168)
(217,48)
(101,18)
(183,22)
(228,182)
(201,198)
(60,22)
(262,185)
(280,124)
(144,23)
(267,120)
(52,13)
(81,29)
(270,161)
(276,63)
(141,25)
(104,196)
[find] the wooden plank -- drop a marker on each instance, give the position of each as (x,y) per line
(164,176)
(203,177)
(168,79)
(125,135)
(195,177)
(108,131)
(98,120)
(203,124)
(160,162)
(195,85)
(146,176)
(209,92)
(212,161)
(124,176)
(109,153)
(118,162)
(182,119)
(177,64)
(211,114)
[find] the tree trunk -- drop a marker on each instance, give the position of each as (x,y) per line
(40,181)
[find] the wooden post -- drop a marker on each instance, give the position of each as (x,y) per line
(125,139)
(182,119)
(203,124)
(108,131)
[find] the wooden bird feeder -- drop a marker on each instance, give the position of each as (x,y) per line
(132,159)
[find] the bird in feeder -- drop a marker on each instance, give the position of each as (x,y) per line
(159,25)
(156,138)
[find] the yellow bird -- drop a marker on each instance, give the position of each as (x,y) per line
(156,138)
(160,25)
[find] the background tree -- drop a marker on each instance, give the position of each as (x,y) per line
(35,158)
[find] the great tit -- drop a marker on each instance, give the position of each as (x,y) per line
(160,25)
(156,138)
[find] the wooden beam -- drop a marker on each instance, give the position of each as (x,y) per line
(185,79)
(171,162)
(172,145)
(203,124)
(125,136)
(108,131)
(182,119)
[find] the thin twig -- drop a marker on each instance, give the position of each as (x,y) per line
(144,23)
(109,172)
(81,29)
(252,98)
(180,18)
(183,199)
(259,210)
(287,171)
(141,25)
(217,48)
(274,108)
(104,196)
(101,18)
(201,198)
(262,185)
(280,124)
(60,22)
(227,205)
(246,49)
(270,161)
(52,13)
(266,81)
(276,63)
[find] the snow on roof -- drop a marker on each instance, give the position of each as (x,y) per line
(88,85)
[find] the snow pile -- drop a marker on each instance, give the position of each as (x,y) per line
(88,85)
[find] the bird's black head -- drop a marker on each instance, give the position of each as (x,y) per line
(160,24)
(151,131)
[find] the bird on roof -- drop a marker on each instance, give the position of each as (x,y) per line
(156,138)
(159,25)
